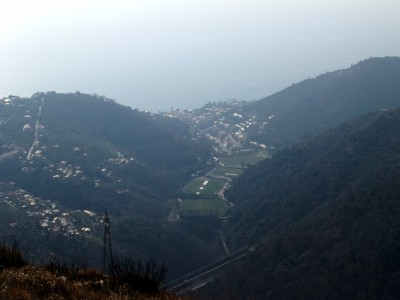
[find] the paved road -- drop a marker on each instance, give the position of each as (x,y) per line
(206,274)
(35,142)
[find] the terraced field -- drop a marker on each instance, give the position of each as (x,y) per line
(244,159)
(228,172)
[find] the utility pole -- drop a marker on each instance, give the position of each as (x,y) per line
(107,239)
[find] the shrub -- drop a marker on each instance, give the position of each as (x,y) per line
(134,275)
(11,256)
(62,268)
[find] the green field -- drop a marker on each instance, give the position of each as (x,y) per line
(243,159)
(197,186)
(203,207)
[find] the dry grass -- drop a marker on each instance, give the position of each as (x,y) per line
(57,280)
(30,282)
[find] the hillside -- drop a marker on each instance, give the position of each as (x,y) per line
(314,105)
(66,157)
(327,213)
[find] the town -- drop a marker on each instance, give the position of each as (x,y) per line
(225,124)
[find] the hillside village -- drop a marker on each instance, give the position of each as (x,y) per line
(33,152)
(46,214)
(41,153)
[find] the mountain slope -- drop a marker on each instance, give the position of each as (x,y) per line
(79,140)
(64,154)
(328,212)
(315,105)
(129,130)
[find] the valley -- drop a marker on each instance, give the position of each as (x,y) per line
(59,172)
(312,169)
(204,195)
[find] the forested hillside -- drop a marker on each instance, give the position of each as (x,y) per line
(317,104)
(327,214)
(64,154)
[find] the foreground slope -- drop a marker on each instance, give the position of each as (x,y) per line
(317,104)
(327,212)
(127,279)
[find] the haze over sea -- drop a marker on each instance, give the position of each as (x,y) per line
(154,54)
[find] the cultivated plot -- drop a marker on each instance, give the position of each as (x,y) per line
(203,207)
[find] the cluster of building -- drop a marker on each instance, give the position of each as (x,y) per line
(224,124)
(47,215)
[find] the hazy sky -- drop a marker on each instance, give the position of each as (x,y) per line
(154,54)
